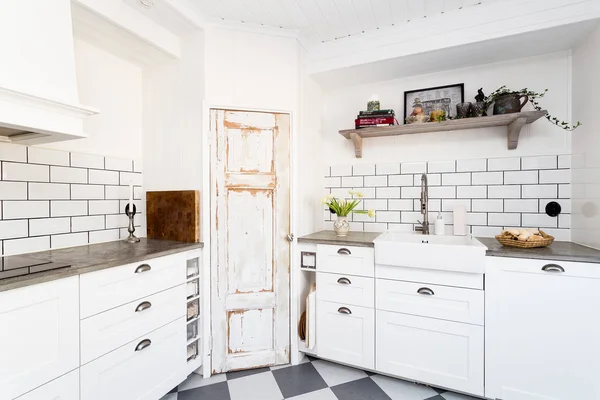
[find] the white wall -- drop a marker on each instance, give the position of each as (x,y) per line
(538,73)
(114,86)
(586,143)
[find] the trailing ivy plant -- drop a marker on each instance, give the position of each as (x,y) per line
(532,96)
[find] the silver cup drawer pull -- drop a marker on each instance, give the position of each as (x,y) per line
(344,252)
(143,268)
(143,306)
(144,344)
(426,291)
(344,310)
(344,281)
(553,268)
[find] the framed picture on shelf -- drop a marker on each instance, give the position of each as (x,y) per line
(436,98)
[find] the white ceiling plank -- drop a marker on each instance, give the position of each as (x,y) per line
(469,3)
(399,11)
(332,17)
(208,8)
(434,7)
(279,14)
(294,11)
(318,22)
(364,13)
(382,10)
(452,5)
(416,9)
(350,19)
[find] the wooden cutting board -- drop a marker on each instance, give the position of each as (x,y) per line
(173,215)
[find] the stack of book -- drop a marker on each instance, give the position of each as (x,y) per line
(369,119)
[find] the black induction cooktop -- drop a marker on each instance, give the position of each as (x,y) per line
(12,266)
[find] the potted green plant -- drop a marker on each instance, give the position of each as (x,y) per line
(342,208)
(508,101)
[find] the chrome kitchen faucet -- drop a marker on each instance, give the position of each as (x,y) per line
(424,228)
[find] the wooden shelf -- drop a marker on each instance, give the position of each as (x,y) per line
(514,122)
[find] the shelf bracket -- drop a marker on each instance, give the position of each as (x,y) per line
(357,140)
(514,131)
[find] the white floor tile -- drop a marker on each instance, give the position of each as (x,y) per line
(402,390)
(195,381)
(170,396)
(323,394)
(255,387)
(335,374)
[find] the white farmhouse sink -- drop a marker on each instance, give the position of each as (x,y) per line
(449,253)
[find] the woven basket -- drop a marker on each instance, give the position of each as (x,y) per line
(513,242)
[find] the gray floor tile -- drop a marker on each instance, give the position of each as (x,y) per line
(438,397)
(218,391)
(363,389)
(398,389)
(170,396)
(241,374)
(299,379)
(255,387)
(456,396)
(194,381)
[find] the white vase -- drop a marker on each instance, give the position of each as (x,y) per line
(341,226)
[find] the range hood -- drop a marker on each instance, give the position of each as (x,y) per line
(39,102)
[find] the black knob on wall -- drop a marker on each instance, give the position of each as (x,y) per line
(553,209)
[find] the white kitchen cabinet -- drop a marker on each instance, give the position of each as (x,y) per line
(144,369)
(64,388)
(347,260)
(432,351)
(346,334)
(39,335)
(542,330)
(347,289)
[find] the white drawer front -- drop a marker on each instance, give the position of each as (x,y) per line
(439,277)
(544,267)
(132,373)
(442,302)
(110,288)
(346,334)
(347,289)
(102,333)
(432,351)
(346,260)
(64,388)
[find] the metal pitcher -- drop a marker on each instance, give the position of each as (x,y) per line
(510,103)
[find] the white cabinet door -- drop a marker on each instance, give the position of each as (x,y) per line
(144,369)
(346,334)
(432,351)
(39,335)
(64,388)
(542,330)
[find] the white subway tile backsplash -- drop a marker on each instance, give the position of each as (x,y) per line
(352,181)
(564,221)
(87,161)
(68,175)
(379,204)
(451,204)
(434,204)
(388,193)
(410,217)
(520,177)
(363,169)
(49,226)
(413,168)
(539,221)
(26,245)
(130,178)
(37,155)
(341,170)
(99,177)
(488,178)
(102,207)
(540,162)
(68,208)
(564,161)
(488,205)
(400,180)
(49,191)
(138,166)
(441,166)
(561,235)
(118,164)
(504,164)
(368,193)
(25,172)
(116,221)
(555,176)
(13,152)
(504,192)
(338,193)
(456,179)
(68,240)
(564,191)
(404,228)
(432,179)
(539,191)
(565,205)
(521,205)
(442,192)
(400,205)
(480,219)
(104,236)
(411,192)
(92,223)
(25,209)
(486,231)
(504,219)
(375,227)
(333,182)
(375,181)
(87,192)
(471,192)
(475,165)
(14,229)
(388,216)
(387,169)
(327,170)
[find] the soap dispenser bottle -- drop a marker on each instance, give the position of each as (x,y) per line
(440,225)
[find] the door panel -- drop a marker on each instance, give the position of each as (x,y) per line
(250,254)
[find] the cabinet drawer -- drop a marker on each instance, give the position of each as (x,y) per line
(442,302)
(64,388)
(346,334)
(436,352)
(545,267)
(106,331)
(144,369)
(438,277)
(110,288)
(346,260)
(352,290)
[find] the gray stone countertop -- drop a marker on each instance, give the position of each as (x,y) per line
(557,251)
(95,257)
(360,239)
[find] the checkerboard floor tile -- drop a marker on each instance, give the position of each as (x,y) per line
(311,380)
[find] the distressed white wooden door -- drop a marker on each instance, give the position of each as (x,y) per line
(250,254)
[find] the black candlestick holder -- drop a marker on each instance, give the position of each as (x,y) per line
(131,213)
